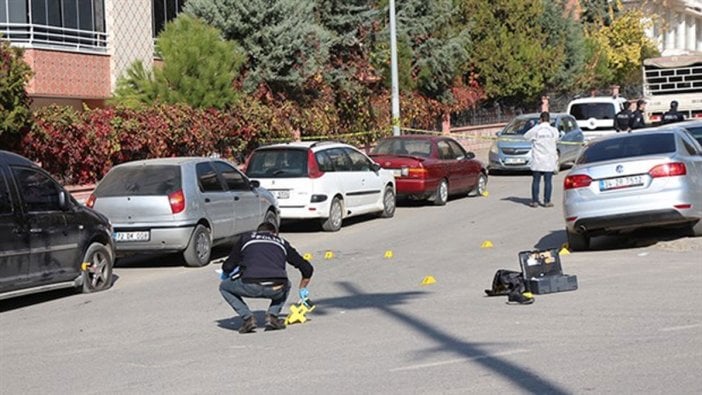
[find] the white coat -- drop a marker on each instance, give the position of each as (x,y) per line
(544,153)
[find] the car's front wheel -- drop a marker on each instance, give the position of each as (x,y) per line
(336,216)
(97,268)
(578,241)
(199,248)
(272,217)
(388,203)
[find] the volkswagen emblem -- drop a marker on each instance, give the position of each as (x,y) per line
(620,169)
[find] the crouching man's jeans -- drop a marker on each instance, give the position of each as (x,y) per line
(235,290)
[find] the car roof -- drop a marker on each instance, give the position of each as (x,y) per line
(672,129)
(538,114)
(12,158)
(598,99)
(692,122)
(165,161)
(416,137)
(305,145)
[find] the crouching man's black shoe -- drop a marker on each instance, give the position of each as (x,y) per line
(274,323)
(248,326)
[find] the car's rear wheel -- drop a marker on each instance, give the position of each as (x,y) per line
(97,268)
(480,187)
(441,195)
(199,248)
(336,216)
(388,203)
(696,228)
(578,241)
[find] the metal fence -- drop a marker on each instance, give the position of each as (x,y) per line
(53,36)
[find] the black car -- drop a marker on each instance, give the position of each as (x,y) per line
(47,239)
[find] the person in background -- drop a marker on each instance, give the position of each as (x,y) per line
(637,117)
(544,158)
(256,269)
(672,115)
(623,119)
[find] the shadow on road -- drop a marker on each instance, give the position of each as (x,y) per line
(637,239)
(520,200)
(385,302)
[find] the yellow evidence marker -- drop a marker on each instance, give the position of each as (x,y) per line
(388,254)
(307,256)
(84,266)
(328,255)
(487,244)
(563,251)
(298,313)
(428,280)
(486,193)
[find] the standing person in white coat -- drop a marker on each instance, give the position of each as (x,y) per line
(544,158)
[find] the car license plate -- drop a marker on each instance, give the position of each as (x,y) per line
(282,194)
(621,182)
(132,236)
(515,161)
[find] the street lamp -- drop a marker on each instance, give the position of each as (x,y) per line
(393,73)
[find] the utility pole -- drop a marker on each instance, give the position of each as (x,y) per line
(393,73)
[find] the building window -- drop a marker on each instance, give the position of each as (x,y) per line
(164,11)
(74,24)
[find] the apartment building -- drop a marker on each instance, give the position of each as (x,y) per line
(676,24)
(78,48)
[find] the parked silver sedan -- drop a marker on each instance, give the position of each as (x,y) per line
(627,181)
(180,205)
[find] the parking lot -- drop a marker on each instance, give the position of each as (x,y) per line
(634,325)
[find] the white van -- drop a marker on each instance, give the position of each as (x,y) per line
(595,115)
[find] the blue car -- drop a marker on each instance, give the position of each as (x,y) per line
(510,152)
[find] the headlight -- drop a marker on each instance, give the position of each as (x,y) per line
(494,150)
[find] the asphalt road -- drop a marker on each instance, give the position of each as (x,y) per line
(633,326)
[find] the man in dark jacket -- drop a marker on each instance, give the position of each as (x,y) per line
(637,117)
(672,115)
(256,269)
(622,121)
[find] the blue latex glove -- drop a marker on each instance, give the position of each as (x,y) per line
(304,294)
(223,276)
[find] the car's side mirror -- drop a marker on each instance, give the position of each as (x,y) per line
(498,134)
(254,184)
(375,167)
(63,201)
(561,134)
(470,155)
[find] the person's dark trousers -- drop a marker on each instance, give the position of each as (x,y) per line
(235,290)
(536,186)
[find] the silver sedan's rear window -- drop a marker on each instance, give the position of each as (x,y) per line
(140,181)
(629,145)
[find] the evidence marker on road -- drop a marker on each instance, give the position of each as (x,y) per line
(428,280)
(328,255)
(307,256)
(388,254)
(487,244)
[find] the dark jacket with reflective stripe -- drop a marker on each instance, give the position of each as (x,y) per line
(261,256)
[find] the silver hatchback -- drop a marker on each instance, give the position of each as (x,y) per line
(651,178)
(180,205)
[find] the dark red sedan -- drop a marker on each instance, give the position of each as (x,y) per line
(431,167)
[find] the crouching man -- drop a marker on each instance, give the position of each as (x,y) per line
(256,269)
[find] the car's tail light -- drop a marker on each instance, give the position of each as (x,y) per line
(417,172)
(91,201)
(312,166)
(668,170)
(177,201)
(577,181)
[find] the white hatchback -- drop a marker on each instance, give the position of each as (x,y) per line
(328,181)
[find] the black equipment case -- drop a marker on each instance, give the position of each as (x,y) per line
(543,273)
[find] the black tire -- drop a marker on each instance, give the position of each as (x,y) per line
(578,241)
(388,203)
(199,247)
(272,217)
(336,216)
(480,186)
(696,228)
(97,274)
(440,197)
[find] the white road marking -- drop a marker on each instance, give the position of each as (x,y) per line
(680,328)
(460,360)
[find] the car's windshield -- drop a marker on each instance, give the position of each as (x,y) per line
(520,126)
(414,147)
(585,111)
(278,163)
(631,145)
(147,180)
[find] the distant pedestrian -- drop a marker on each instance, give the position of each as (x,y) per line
(544,158)
(623,119)
(673,115)
(256,269)
(637,118)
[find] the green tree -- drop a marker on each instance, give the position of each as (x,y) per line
(565,36)
(199,68)
(285,44)
(599,12)
(510,50)
(15,115)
